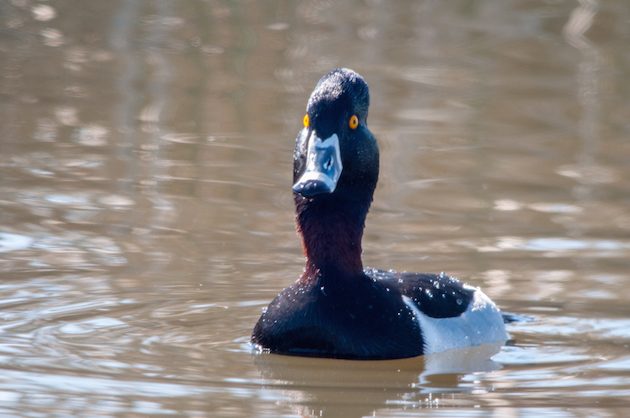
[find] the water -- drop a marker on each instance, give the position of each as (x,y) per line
(146,216)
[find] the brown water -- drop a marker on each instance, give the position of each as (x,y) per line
(146,215)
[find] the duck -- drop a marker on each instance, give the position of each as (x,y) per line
(337,308)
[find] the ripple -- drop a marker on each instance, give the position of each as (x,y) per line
(540,356)
(567,244)
(548,207)
(116,200)
(52,37)
(43,12)
(559,245)
(67,199)
(182,138)
(90,325)
(507,205)
(92,135)
(14,242)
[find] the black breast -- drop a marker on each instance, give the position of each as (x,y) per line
(340,318)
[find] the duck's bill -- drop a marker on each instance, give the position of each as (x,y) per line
(323,167)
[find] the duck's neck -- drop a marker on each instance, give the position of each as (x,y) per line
(331,231)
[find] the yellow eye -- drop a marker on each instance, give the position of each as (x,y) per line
(306,121)
(353,123)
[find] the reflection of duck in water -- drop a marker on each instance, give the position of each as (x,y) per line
(321,387)
(337,308)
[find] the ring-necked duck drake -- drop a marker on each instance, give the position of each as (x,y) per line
(337,308)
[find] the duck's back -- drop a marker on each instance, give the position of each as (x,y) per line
(449,313)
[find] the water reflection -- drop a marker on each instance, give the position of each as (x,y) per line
(333,388)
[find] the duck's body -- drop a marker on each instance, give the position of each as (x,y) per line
(337,309)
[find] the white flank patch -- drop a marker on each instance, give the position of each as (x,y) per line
(481,323)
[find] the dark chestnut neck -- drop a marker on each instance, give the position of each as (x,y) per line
(331,230)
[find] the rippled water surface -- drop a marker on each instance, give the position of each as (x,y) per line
(146,216)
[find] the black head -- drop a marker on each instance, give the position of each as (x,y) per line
(335,153)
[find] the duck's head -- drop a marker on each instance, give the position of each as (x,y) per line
(335,153)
